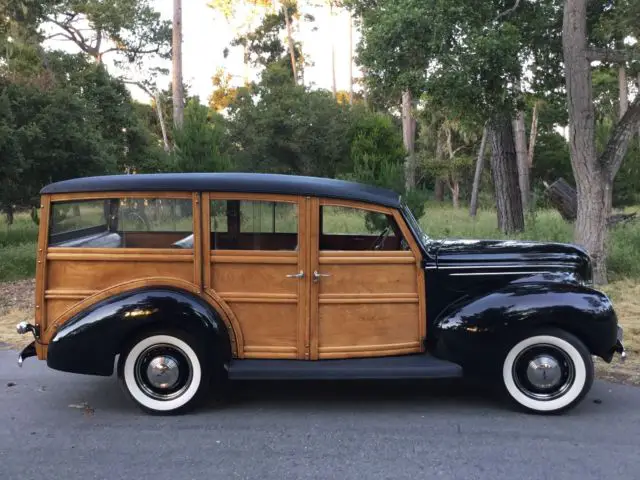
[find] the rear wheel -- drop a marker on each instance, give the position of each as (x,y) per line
(548,372)
(165,371)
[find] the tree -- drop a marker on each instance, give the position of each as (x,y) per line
(467,57)
(129,29)
(201,143)
(594,174)
(176,58)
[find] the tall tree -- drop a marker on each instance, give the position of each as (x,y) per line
(176,74)
(131,30)
(594,174)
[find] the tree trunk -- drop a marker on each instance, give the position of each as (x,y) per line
(409,137)
(350,59)
(8,210)
(334,88)
(564,197)
(454,187)
(594,189)
(163,127)
(623,90)
(520,137)
(533,136)
(438,190)
(504,170)
(292,54)
(178,93)
(473,208)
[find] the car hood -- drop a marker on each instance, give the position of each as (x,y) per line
(512,254)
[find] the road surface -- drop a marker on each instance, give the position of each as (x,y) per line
(382,430)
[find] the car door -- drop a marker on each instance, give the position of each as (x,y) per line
(255,265)
(367,286)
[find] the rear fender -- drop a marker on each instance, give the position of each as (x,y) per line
(88,341)
(477,332)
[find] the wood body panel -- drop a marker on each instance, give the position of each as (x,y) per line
(269,307)
(370,303)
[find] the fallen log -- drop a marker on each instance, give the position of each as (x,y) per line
(565,199)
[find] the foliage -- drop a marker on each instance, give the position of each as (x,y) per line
(201,142)
(223,92)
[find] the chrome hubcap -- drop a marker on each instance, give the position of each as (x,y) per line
(543,372)
(163,372)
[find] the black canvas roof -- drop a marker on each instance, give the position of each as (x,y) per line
(229,182)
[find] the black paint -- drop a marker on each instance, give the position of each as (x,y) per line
(89,341)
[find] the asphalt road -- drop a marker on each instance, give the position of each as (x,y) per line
(301,430)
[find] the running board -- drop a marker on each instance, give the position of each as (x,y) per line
(400,367)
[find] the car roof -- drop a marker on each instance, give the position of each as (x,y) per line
(229,182)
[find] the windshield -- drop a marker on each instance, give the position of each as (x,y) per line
(415,226)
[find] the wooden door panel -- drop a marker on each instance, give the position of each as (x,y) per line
(270,330)
(269,307)
(247,276)
(370,303)
(367,329)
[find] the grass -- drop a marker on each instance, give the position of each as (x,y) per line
(18,248)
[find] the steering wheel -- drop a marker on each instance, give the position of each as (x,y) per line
(379,241)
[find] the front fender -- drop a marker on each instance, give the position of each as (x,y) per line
(477,332)
(88,342)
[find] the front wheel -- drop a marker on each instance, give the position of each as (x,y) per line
(164,372)
(548,372)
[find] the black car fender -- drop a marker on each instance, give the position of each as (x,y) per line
(88,341)
(476,332)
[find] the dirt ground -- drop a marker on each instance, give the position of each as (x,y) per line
(16,304)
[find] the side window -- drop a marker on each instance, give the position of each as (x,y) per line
(253,225)
(122,223)
(346,228)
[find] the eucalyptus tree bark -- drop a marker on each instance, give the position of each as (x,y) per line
(163,127)
(504,170)
(533,135)
(334,88)
(177,89)
(520,137)
(292,54)
(623,91)
(409,139)
(473,207)
(350,59)
(594,176)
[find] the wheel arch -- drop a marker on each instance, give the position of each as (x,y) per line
(91,337)
(475,332)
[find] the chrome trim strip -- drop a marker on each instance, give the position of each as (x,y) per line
(506,265)
(478,274)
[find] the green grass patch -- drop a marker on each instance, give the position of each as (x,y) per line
(17,261)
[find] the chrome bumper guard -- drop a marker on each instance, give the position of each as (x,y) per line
(28,351)
(619,348)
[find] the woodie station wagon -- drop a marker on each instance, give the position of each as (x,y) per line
(192,279)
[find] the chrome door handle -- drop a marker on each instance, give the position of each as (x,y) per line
(296,275)
(317,275)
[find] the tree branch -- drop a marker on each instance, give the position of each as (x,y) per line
(613,56)
(75,36)
(616,149)
(508,11)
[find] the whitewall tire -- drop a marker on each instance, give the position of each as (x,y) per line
(548,372)
(164,372)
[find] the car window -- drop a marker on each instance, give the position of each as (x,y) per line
(253,225)
(122,223)
(347,228)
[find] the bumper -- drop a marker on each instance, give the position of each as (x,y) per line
(28,351)
(619,348)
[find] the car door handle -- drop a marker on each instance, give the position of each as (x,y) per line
(317,275)
(296,275)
